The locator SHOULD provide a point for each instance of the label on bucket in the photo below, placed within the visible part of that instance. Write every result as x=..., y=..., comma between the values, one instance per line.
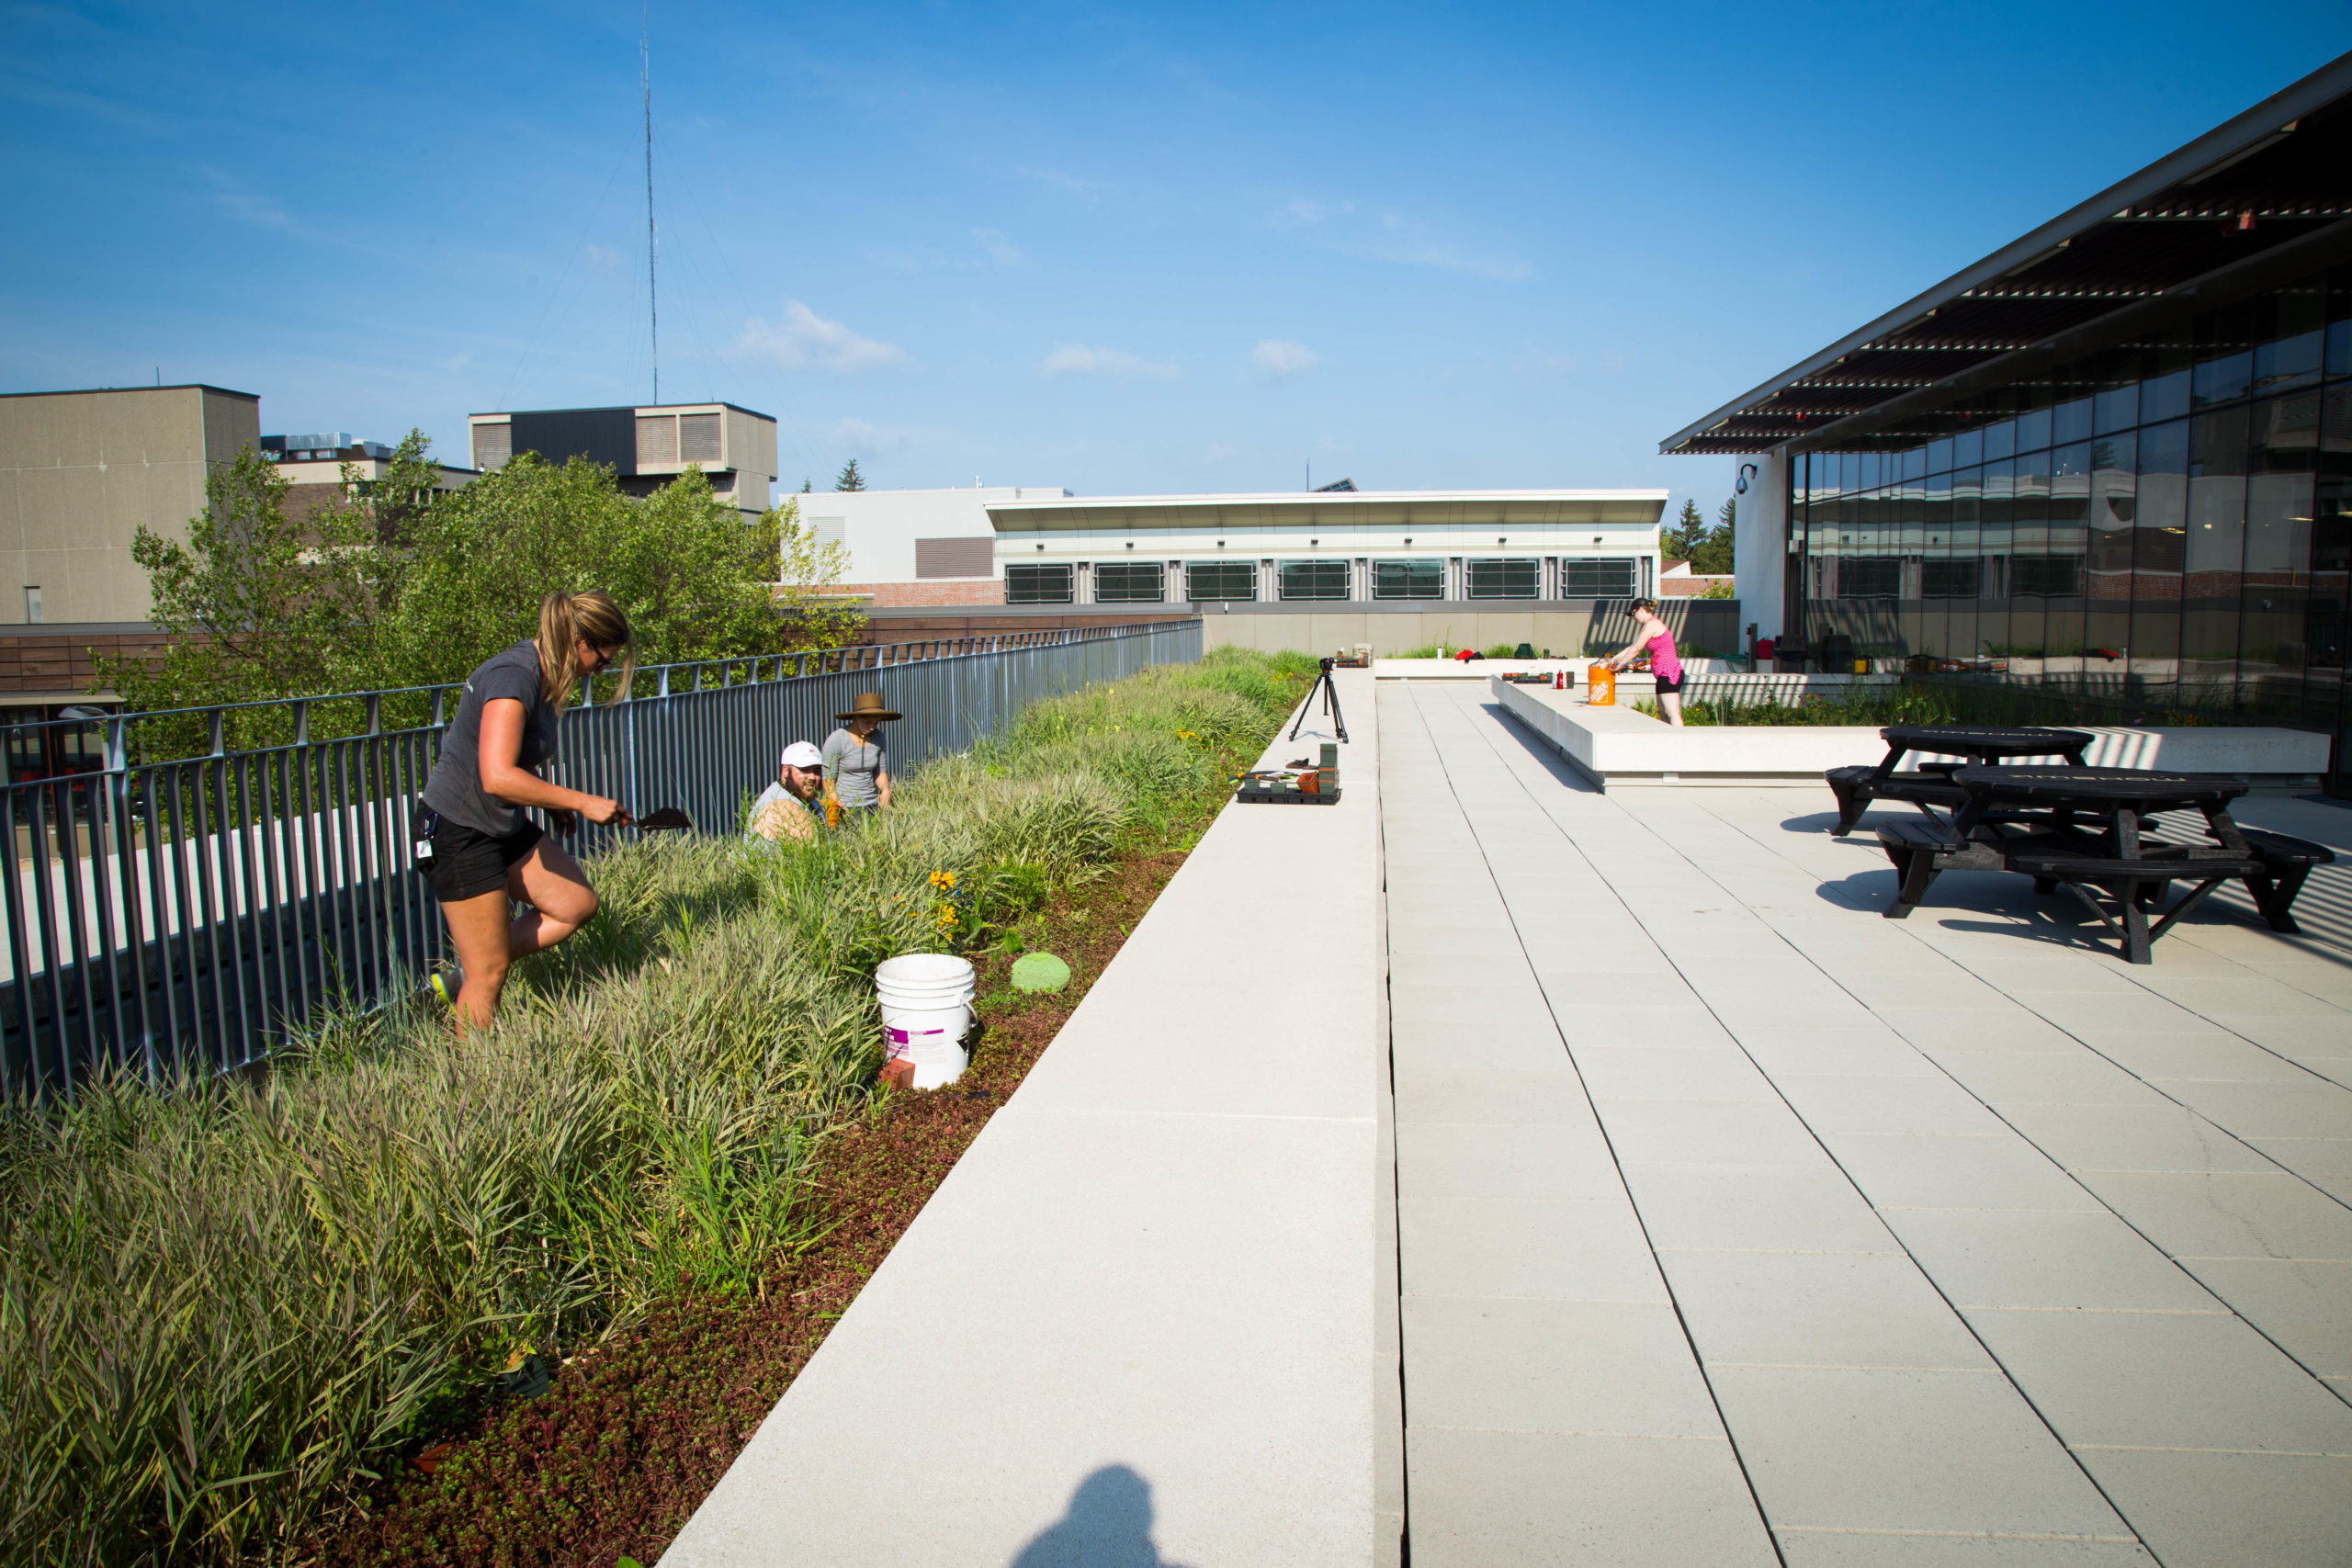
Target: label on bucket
x=897, y=1036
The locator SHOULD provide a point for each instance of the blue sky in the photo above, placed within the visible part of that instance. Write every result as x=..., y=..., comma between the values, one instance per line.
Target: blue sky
x=1170, y=248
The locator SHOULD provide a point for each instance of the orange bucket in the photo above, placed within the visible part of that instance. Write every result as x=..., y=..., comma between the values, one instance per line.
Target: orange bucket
x=1600, y=687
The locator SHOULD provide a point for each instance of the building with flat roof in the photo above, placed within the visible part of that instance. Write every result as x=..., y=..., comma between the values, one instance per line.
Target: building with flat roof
x=80, y=472
x=313, y=465
x=1362, y=546
x=645, y=448
x=2114, y=458
x=1026, y=545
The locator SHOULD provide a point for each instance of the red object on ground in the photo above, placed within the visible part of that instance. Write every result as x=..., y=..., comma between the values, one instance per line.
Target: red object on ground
x=1463, y=656
x=899, y=1072
x=1559, y=680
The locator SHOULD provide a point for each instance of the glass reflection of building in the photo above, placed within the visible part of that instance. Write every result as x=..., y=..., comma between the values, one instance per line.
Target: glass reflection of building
x=2121, y=467
x=2164, y=522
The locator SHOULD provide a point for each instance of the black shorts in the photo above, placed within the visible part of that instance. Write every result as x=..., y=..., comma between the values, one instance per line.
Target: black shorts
x=466, y=863
x=1666, y=688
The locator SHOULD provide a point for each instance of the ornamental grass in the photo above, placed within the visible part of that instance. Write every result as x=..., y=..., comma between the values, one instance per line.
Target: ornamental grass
x=225, y=1301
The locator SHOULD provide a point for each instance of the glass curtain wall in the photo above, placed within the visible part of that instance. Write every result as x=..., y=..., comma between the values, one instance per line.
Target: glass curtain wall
x=2168, y=522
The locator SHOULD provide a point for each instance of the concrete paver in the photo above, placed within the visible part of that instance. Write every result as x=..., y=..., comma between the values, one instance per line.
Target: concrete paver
x=1142, y=1319
x=1987, y=1249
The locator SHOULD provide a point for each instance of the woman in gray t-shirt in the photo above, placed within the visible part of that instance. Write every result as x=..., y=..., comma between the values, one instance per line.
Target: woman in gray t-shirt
x=477, y=851
x=857, y=777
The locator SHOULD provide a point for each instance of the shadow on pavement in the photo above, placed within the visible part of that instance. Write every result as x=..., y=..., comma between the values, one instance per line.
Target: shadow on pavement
x=1537, y=748
x=1108, y=1524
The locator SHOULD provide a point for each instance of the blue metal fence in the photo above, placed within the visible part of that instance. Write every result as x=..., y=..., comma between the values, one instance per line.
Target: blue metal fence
x=177, y=911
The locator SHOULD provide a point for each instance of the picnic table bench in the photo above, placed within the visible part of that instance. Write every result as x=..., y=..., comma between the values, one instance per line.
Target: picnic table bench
x=2081, y=827
x=1930, y=787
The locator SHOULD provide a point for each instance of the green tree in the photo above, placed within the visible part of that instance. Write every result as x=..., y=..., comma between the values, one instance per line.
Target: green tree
x=808, y=570
x=1680, y=541
x=849, y=478
x=1712, y=556
x=804, y=485
x=265, y=603
x=694, y=580
x=405, y=584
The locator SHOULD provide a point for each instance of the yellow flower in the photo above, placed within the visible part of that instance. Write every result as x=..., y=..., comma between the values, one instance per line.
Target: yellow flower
x=943, y=880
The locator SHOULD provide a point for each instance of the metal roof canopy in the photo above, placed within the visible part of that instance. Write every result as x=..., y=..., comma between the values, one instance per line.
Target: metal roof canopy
x=2255, y=202
x=1358, y=508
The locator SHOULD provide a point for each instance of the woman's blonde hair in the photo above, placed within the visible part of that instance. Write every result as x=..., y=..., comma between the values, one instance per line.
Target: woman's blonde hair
x=565, y=621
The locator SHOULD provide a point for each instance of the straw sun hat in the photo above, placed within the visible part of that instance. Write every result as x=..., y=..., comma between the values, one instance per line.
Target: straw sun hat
x=868, y=706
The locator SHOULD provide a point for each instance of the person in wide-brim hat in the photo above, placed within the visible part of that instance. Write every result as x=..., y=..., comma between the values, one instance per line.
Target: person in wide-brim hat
x=868, y=706
x=857, y=775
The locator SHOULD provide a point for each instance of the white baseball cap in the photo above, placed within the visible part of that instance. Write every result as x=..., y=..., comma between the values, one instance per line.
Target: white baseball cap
x=801, y=754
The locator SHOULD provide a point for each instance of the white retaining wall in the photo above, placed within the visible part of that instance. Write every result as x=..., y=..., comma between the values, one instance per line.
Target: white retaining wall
x=1616, y=745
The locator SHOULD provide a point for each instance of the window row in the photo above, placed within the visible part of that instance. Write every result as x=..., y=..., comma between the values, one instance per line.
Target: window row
x=1146, y=583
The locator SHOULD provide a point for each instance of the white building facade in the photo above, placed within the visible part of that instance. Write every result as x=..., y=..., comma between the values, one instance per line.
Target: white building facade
x=1024, y=545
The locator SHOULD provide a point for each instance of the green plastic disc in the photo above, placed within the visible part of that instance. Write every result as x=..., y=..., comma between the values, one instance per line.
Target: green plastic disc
x=1039, y=972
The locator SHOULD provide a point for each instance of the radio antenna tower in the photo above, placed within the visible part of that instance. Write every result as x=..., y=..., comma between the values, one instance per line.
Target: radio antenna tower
x=652, y=295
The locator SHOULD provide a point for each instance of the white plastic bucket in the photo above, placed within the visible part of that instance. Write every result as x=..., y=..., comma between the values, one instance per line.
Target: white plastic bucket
x=937, y=1061
x=926, y=1007
x=923, y=979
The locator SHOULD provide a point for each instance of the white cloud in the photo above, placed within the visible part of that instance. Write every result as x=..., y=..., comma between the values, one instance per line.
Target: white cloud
x=1218, y=452
x=1069, y=182
x=1077, y=359
x=601, y=259
x=1280, y=357
x=803, y=340
x=999, y=249
x=257, y=210
x=1355, y=229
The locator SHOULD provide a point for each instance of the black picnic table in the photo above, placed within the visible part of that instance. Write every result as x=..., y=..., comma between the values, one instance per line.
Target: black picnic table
x=1930, y=787
x=2077, y=828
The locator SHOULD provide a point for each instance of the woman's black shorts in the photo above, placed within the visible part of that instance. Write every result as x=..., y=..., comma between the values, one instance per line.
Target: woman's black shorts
x=1669, y=688
x=466, y=863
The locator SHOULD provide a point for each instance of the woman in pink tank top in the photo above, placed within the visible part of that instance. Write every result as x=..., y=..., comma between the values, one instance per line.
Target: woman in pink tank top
x=1650, y=633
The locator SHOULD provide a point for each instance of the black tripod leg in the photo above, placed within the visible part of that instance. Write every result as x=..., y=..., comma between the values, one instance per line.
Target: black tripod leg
x=1330, y=695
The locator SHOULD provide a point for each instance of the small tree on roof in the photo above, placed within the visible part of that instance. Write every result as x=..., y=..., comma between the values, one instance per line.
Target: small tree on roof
x=849, y=478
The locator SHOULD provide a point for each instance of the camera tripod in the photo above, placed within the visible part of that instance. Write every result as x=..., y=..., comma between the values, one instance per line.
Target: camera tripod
x=1330, y=703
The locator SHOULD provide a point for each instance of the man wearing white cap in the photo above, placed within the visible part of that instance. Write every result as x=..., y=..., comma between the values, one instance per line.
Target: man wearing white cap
x=789, y=808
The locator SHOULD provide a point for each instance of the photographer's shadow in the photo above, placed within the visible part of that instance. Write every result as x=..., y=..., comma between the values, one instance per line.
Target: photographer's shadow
x=1107, y=1525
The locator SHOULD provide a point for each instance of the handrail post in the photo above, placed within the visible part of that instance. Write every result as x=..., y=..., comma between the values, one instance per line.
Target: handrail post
x=374, y=712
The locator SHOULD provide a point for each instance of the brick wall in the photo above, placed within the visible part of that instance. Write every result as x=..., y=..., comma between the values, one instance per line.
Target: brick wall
x=918, y=625
x=61, y=661
x=935, y=591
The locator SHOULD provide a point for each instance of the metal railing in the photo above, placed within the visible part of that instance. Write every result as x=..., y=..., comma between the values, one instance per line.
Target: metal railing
x=178, y=906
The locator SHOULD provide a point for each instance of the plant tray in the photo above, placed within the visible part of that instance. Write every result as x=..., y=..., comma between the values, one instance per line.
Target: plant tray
x=1285, y=797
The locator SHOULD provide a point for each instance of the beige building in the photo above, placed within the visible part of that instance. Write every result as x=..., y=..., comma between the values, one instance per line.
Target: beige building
x=80, y=472
x=647, y=448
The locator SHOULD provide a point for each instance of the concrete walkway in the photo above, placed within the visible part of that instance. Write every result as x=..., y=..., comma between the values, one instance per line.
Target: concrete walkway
x=1739, y=1224
x=1140, y=1321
